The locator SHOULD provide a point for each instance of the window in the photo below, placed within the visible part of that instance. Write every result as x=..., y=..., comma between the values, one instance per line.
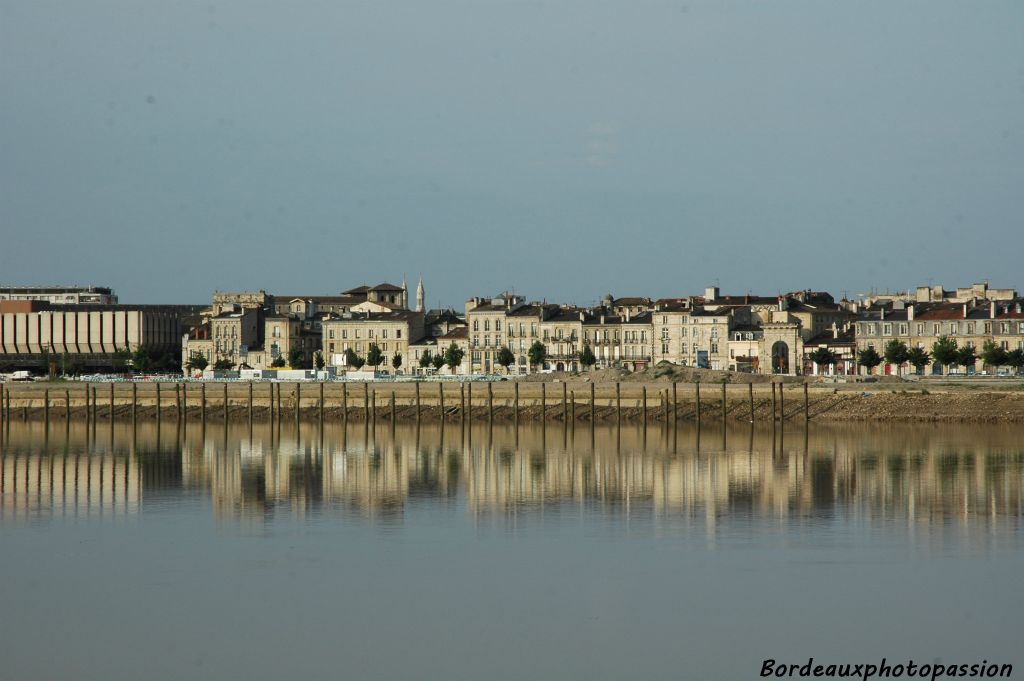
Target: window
x=664, y=348
x=487, y=325
x=476, y=324
x=398, y=333
x=330, y=334
x=1004, y=327
x=384, y=333
x=886, y=329
x=497, y=325
x=970, y=328
x=988, y=327
x=920, y=329
x=344, y=333
x=936, y=330
x=714, y=348
x=903, y=329
x=533, y=330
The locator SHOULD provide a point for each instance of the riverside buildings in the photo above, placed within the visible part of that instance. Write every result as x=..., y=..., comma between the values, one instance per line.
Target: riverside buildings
x=776, y=334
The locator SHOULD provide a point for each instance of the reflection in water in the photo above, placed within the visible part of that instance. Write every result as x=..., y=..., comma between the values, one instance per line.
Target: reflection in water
x=969, y=476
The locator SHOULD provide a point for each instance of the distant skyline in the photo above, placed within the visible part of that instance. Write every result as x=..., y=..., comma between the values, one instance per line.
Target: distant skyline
x=565, y=149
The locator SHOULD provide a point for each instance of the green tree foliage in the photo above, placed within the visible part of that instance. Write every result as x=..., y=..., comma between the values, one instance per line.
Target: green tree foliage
x=1015, y=359
x=869, y=358
x=453, y=357
x=587, y=357
x=297, y=359
x=505, y=358
x=278, y=363
x=944, y=351
x=993, y=355
x=425, y=359
x=918, y=358
x=823, y=357
x=223, y=365
x=318, y=360
x=438, y=360
x=196, y=362
x=396, y=361
x=896, y=353
x=353, y=360
x=374, y=357
x=537, y=353
x=966, y=356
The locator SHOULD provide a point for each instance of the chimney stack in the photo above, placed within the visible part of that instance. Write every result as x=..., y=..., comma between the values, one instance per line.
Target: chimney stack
x=910, y=312
x=994, y=309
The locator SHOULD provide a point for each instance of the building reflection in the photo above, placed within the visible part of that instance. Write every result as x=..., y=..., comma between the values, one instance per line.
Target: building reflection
x=921, y=476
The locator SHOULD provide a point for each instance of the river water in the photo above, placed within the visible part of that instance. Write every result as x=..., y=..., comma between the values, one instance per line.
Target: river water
x=422, y=553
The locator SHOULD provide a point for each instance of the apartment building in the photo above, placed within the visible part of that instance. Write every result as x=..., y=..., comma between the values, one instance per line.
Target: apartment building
x=61, y=295
x=393, y=332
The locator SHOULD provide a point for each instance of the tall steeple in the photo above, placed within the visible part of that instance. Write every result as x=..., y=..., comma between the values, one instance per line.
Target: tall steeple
x=420, y=297
x=405, y=294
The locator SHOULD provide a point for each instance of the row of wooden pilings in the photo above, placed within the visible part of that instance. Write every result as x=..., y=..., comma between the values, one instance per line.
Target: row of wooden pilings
x=370, y=402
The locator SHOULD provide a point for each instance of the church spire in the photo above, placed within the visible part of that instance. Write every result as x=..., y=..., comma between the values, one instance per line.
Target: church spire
x=420, y=297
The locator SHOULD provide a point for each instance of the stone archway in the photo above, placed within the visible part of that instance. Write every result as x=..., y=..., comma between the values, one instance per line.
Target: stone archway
x=780, y=357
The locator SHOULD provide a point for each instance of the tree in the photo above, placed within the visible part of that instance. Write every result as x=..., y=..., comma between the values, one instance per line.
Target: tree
x=223, y=364
x=196, y=362
x=438, y=361
x=896, y=353
x=944, y=351
x=1015, y=359
x=278, y=362
x=396, y=361
x=453, y=357
x=966, y=356
x=869, y=358
x=505, y=358
x=918, y=358
x=353, y=360
x=374, y=357
x=425, y=359
x=823, y=357
x=536, y=353
x=587, y=358
x=318, y=360
x=993, y=355
x=142, y=359
x=297, y=359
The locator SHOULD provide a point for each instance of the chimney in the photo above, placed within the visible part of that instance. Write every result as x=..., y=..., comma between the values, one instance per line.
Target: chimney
x=883, y=313
x=835, y=331
x=602, y=319
x=581, y=316
x=910, y=312
x=627, y=314
x=994, y=310
x=965, y=310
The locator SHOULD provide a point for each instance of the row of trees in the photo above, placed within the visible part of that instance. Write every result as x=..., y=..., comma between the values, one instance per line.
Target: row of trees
x=944, y=352
x=537, y=353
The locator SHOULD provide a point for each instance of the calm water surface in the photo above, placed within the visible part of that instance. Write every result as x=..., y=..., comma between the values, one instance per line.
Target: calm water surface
x=542, y=554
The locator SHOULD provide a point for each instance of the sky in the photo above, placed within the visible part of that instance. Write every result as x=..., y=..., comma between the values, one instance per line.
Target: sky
x=563, y=150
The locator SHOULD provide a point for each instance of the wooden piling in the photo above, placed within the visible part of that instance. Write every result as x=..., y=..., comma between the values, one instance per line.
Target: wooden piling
x=565, y=390
x=515, y=402
x=807, y=405
x=750, y=394
x=490, y=401
x=225, y=402
x=280, y=412
x=202, y=408
x=675, y=402
x=250, y=403
x=135, y=402
x=373, y=406
x=544, y=403
x=724, y=408
x=782, y=402
x=469, y=401
x=773, y=402
x=572, y=401
x=393, y=406
x=298, y=401
x=67, y=406
x=462, y=401
x=321, y=404
x=698, y=402
x=417, y=402
x=158, y=400
x=593, y=408
x=618, y=403
x=440, y=399
x=643, y=398
x=344, y=403
x=46, y=407
x=366, y=400
x=111, y=402
x=177, y=402
x=95, y=409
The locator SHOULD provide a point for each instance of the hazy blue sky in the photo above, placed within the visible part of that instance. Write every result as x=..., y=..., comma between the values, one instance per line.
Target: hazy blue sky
x=565, y=149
